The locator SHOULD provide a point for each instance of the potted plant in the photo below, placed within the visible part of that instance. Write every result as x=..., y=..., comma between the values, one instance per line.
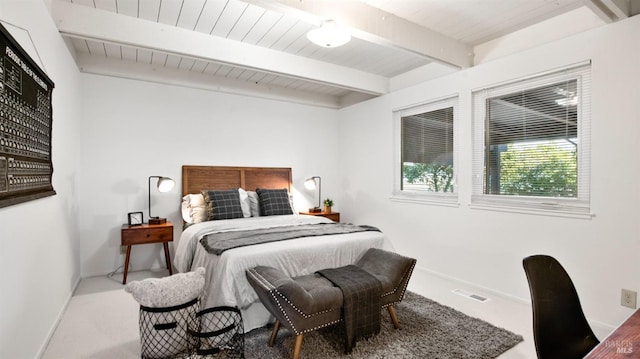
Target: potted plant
x=328, y=203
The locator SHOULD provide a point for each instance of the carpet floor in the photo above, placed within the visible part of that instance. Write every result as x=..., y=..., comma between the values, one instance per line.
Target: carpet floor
x=101, y=322
x=428, y=330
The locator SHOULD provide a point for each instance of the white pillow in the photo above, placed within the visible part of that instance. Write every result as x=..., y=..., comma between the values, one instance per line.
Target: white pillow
x=185, y=210
x=168, y=291
x=293, y=208
x=254, y=203
x=244, y=202
x=196, y=208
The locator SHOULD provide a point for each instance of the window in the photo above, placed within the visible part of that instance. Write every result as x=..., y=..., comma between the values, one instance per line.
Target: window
x=424, y=169
x=532, y=144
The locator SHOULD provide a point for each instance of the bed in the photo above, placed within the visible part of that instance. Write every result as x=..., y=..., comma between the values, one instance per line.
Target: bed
x=226, y=283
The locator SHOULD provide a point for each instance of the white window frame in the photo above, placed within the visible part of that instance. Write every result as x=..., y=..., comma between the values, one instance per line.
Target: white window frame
x=578, y=207
x=424, y=197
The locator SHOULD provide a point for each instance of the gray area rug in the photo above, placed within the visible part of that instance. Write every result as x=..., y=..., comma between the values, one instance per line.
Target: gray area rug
x=428, y=330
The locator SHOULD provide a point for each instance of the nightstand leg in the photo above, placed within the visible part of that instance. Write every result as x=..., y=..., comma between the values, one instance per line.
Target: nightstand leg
x=126, y=265
x=167, y=257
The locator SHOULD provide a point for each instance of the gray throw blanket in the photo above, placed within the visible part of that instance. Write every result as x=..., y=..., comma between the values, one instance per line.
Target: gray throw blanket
x=217, y=243
x=361, y=306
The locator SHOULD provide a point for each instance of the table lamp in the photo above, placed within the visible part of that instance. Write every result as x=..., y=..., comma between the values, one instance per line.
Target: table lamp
x=165, y=184
x=312, y=183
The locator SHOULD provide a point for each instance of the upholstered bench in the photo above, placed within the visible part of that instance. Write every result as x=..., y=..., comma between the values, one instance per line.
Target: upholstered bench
x=306, y=303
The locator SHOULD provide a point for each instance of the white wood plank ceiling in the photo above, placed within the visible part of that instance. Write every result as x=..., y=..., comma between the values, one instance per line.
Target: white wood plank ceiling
x=259, y=47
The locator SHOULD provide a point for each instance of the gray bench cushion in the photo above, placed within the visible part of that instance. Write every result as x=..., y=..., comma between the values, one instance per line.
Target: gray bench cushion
x=302, y=304
x=392, y=270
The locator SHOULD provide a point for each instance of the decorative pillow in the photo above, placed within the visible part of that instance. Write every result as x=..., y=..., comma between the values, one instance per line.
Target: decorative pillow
x=198, y=208
x=194, y=208
x=254, y=203
x=244, y=202
x=168, y=291
x=223, y=204
x=184, y=209
x=293, y=208
x=274, y=202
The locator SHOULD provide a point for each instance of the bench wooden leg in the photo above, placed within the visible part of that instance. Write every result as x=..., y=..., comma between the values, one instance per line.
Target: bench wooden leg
x=394, y=319
x=274, y=333
x=298, y=347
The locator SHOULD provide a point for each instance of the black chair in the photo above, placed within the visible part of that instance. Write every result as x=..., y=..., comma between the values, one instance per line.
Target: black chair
x=560, y=328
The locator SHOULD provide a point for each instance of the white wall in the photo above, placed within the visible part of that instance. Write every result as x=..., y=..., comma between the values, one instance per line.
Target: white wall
x=39, y=259
x=132, y=130
x=485, y=247
x=110, y=134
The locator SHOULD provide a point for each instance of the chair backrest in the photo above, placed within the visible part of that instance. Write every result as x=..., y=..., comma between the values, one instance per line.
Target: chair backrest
x=560, y=328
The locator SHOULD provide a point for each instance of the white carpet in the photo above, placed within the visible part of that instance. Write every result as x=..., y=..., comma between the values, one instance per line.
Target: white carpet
x=107, y=322
x=100, y=322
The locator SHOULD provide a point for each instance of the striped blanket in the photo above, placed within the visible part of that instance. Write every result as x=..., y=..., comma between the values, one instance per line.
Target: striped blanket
x=217, y=243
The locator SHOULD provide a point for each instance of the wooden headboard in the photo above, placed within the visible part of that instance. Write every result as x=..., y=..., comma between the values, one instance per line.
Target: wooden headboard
x=197, y=178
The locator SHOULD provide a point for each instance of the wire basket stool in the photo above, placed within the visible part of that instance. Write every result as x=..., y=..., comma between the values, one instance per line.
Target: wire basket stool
x=219, y=333
x=164, y=331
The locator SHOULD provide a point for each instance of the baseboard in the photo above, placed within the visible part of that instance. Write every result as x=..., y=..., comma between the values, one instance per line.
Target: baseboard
x=598, y=327
x=44, y=345
x=474, y=286
x=120, y=269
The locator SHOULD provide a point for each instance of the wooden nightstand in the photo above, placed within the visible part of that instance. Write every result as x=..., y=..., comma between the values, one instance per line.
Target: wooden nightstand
x=143, y=234
x=334, y=216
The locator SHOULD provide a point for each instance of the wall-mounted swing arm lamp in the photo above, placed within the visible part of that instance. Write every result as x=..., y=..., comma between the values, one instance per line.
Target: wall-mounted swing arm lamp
x=165, y=184
x=312, y=183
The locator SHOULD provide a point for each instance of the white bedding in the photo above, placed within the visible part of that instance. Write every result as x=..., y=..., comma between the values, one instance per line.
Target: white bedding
x=226, y=283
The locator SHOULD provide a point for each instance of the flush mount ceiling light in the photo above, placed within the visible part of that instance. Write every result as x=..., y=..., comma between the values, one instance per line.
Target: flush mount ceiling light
x=329, y=34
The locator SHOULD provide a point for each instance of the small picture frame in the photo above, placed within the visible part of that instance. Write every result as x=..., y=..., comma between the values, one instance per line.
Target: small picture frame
x=135, y=218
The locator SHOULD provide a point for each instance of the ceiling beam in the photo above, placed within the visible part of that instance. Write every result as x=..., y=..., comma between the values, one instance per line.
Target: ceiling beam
x=93, y=24
x=160, y=74
x=610, y=10
x=374, y=25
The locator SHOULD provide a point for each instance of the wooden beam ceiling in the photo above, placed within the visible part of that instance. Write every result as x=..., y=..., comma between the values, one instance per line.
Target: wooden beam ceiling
x=97, y=25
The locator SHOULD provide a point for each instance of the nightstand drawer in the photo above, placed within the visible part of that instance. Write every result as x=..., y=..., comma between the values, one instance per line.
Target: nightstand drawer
x=334, y=216
x=146, y=234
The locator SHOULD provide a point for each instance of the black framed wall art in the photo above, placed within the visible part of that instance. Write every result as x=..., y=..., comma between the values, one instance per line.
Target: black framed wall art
x=25, y=126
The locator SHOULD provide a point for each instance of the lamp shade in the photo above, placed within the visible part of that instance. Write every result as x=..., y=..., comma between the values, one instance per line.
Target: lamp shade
x=165, y=184
x=329, y=34
x=310, y=183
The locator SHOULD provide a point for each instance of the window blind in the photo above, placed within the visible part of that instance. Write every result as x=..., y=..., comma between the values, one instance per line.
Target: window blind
x=531, y=142
x=427, y=137
x=425, y=152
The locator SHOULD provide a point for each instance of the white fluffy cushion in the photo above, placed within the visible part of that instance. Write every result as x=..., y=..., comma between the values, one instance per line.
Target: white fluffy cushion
x=194, y=208
x=185, y=210
x=168, y=291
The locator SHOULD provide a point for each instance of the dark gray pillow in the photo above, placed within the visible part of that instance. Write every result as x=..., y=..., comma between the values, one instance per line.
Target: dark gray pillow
x=274, y=202
x=223, y=204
